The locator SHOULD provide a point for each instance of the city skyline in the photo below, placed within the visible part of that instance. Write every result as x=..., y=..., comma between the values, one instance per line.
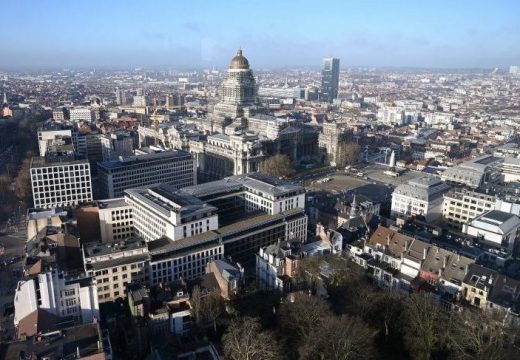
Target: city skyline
x=274, y=35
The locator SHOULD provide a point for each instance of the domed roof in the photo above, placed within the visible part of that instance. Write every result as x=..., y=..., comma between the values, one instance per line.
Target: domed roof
x=239, y=61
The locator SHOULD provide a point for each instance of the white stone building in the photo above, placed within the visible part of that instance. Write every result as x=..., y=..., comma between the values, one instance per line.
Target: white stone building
x=495, y=227
x=421, y=196
x=59, y=295
x=115, y=220
x=162, y=210
x=510, y=169
x=82, y=114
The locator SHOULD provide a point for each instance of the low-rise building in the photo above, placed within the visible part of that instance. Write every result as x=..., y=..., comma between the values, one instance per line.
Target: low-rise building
x=510, y=169
x=471, y=173
x=488, y=289
x=494, y=227
x=57, y=294
x=85, y=341
x=114, y=265
x=229, y=277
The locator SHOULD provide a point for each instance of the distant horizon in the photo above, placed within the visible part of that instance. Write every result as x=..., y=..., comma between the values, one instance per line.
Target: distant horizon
x=274, y=34
x=224, y=68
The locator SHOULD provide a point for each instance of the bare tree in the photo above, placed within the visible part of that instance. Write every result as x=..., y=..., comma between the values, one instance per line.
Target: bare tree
x=428, y=326
x=481, y=335
x=278, y=166
x=196, y=304
x=347, y=153
x=340, y=338
x=300, y=315
x=212, y=307
x=386, y=306
x=244, y=340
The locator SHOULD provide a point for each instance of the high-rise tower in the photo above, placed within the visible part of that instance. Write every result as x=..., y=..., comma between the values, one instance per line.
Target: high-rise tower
x=329, y=79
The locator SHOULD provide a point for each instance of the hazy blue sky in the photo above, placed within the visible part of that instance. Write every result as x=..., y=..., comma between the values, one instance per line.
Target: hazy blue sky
x=272, y=33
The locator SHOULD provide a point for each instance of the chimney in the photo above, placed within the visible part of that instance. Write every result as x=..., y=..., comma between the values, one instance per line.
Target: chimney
x=424, y=253
x=387, y=239
x=444, y=261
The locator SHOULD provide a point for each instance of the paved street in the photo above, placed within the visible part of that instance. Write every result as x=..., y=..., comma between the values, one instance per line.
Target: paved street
x=9, y=276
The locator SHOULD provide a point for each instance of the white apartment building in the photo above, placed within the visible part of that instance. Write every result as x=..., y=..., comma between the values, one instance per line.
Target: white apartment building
x=436, y=118
x=421, y=196
x=81, y=114
x=391, y=115
x=139, y=101
x=174, y=167
x=115, y=220
x=114, y=265
x=56, y=184
x=462, y=205
x=510, y=169
x=161, y=210
x=495, y=227
x=59, y=295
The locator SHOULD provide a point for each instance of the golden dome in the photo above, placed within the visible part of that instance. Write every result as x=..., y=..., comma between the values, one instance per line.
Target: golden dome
x=239, y=61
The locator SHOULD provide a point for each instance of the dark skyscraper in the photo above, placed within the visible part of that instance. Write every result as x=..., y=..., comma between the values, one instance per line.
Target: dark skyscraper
x=329, y=79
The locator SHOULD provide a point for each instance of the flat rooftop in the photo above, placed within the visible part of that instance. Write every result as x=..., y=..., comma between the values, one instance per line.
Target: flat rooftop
x=496, y=216
x=112, y=203
x=145, y=158
x=64, y=344
x=255, y=181
x=166, y=199
x=165, y=246
x=131, y=243
x=38, y=162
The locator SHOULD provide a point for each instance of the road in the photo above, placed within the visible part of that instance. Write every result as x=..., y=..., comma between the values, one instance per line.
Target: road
x=14, y=244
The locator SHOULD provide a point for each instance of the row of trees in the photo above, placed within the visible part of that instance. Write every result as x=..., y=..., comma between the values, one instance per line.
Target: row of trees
x=15, y=181
x=280, y=165
x=393, y=327
x=359, y=321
